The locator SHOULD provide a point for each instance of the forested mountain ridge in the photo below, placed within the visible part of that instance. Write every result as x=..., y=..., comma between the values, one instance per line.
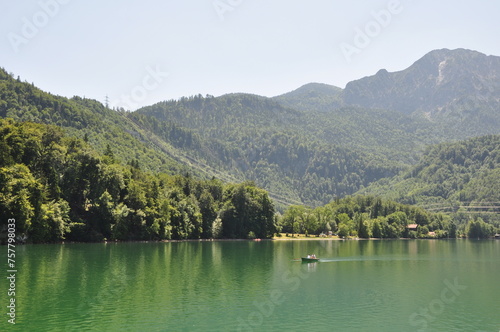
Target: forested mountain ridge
x=84, y=118
x=279, y=148
x=236, y=128
x=58, y=188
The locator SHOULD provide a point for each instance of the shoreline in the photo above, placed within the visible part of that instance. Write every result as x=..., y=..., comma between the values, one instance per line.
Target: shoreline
x=301, y=237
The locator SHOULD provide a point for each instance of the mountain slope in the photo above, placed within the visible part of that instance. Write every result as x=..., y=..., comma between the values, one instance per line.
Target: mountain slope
x=234, y=138
x=327, y=141
x=388, y=134
x=84, y=118
x=465, y=171
x=256, y=138
x=131, y=139
x=458, y=90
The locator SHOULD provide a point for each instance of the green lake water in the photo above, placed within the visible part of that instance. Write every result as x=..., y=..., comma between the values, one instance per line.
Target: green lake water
x=400, y=285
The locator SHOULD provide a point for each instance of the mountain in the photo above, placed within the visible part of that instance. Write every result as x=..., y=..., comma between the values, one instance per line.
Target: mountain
x=457, y=89
x=307, y=146
x=292, y=144
x=234, y=138
x=386, y=133
x=445, y=95
x=439, y=79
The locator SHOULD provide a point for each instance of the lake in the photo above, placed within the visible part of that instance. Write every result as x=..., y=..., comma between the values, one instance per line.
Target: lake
x=393, y=285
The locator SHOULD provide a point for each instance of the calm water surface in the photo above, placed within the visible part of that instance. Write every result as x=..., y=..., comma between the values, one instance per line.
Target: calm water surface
x=401, y=285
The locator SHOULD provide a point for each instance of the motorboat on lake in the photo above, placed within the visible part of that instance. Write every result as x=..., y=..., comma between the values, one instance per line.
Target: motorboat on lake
x=310, y=259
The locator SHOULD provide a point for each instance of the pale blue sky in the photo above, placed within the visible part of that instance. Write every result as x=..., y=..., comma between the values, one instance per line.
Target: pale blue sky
x=142, y=52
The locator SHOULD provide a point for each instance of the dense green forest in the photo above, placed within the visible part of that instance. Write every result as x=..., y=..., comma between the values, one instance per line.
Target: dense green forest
x=263, y=141
x=312, y=96
x=373, y=217
x=57, y=187
x=449, y=174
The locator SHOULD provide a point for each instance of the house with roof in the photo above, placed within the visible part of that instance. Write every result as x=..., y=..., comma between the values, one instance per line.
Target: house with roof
x=412, y=227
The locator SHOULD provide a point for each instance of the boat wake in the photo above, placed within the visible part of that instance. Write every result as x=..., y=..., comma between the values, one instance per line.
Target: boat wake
x=364, y=259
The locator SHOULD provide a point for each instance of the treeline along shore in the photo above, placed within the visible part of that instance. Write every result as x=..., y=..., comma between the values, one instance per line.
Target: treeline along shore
x=58, y=188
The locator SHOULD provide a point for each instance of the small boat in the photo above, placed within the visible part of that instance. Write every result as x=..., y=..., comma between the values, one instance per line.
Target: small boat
x=310, y=259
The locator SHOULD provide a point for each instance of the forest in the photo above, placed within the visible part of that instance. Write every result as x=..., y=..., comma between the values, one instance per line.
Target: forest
x=279, y=148
x=58, y=188
x=449, y=175
x=374, y=217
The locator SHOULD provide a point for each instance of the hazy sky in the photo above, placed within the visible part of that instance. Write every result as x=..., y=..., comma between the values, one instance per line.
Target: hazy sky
x=142, y=52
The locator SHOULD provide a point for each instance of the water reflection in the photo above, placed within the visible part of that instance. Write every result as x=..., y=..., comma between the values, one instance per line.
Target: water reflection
x=311, y=267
